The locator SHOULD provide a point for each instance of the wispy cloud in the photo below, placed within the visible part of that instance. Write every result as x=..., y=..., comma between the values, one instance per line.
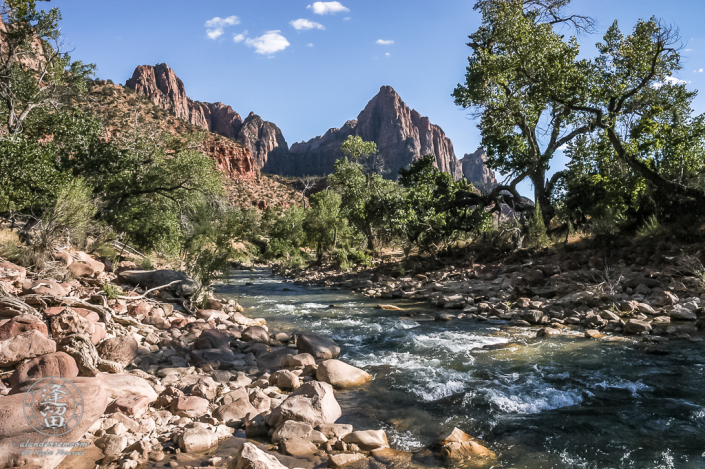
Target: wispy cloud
x=268, y=43
x=385, y=42
x=215, y=26
x=387, y=54
x=240, y=37
x=324, y=8
x=302, y=24
x=698, y=71
x=310, y=44
x=670, y=81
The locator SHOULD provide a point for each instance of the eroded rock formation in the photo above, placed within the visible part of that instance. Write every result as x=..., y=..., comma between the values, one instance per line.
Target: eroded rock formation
x=476, y=171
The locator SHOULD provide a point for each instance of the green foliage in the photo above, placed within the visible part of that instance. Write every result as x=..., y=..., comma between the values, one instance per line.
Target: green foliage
x=355, y=148
x=651, y=229
x=146, y=263
x=285, y=228
x=536, y=235
x=426, y=214
x=69, y=218
x=323, y=223
x=111, y=291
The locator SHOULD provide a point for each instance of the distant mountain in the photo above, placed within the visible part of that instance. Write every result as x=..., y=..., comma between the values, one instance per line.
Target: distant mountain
x=402, y=135
x=476, y=171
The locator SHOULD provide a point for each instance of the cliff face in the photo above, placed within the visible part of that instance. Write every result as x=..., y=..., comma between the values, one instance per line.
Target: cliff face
x=234, y=160
x=160, y=85
x=402, y=136
x=476, y=171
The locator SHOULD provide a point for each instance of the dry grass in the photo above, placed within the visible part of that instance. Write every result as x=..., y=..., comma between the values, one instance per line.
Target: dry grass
x=10, y=245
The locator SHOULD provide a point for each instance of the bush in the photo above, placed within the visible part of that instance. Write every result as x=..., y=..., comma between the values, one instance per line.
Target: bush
x=146, y=263
x=536, y=235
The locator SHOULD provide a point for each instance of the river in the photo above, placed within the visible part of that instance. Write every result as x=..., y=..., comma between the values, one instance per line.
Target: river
x=560, y=402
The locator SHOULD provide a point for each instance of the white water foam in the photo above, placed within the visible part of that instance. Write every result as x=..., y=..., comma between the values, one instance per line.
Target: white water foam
x=315, y=305
x=530, y=398
x=632, y=386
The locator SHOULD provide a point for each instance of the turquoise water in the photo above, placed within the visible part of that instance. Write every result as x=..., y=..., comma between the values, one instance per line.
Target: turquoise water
x=564, y=402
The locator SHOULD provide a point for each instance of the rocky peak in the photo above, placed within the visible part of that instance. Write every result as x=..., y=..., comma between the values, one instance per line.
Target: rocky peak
x=262, y=138
x=402, y=136
x=160, y=85
x=476, y=171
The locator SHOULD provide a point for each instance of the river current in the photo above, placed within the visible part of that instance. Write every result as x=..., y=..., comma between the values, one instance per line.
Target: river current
x=560, y=402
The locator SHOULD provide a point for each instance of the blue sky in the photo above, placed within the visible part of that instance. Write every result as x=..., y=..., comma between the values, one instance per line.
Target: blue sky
x=308, y=66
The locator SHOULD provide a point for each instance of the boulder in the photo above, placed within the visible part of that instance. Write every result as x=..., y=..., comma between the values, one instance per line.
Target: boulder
x=593, y=334
x=260, y=400
x=457, y=445
x=341, y=375
x=335, y=430
x=367, y=440
x=70, y=323
x=123, y=384
x=189, y=406
x=302, y=359
x=20, y=324
x=121, y=349
x=196, y=440
x=316, y=345
x=112, y=445
x=338, y=460
x=134, y=405
x=665, y=298
x=185, y=288
x=211, y=338
x=80, y=269
x=285, y=379
x=43, y=287
x=255, y=333
x=635, y=326
x=237, y=410
x=13, y=272
x=534, y=277
x=206, y=388
x=313, y=403
x=251, y=457
x=14, y=428
x=53, y=364
x=220, y=356
x=29, y=344
x=682, y=313
x=548, y=332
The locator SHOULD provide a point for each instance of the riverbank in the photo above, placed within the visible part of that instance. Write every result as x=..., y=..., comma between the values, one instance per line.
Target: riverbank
x=167, y=386
x=626, y=290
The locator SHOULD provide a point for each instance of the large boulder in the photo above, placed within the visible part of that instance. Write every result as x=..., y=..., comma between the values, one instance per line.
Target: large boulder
x=255, y=333
x=29, y=344
x=43, y=287
x=121, y=349
x=251, y=457
x=317, y=345
x=53, y=364
x=313, y=403
x=20, y=324
x=458, y=445
x=682, y=313
x=196, y=440
x=237, y=410
x=15, y=430
x=210, y=339
x=123, y=385
x=341, y=375
x=70, y=323
x=368, y=440
x=185, y=286
x=635, y=326
x=189, y=406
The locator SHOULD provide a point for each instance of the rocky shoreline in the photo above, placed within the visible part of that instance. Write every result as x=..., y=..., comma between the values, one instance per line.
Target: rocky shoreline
x=661, y=301
x=167, y=386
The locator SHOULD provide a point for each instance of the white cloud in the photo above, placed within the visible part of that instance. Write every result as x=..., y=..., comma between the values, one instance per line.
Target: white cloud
x=240, y=37
x=698, y=71
x=323, y=8
x=347, y=18
x=310, y=44
x=215, y=26
x=671, y=81
x=563, y=147
x=268, y=43
x=387, y=54
x=302, y=23
x=385, y=42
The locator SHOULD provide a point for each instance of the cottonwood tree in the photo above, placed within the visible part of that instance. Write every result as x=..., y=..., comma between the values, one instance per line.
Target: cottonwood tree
x=519, y=63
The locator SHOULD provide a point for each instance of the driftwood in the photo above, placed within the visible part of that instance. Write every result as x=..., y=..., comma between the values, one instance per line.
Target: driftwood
x=11, y=306
x=142, y=296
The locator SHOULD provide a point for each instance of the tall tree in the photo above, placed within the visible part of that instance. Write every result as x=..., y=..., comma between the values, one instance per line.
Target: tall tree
x=519, y=63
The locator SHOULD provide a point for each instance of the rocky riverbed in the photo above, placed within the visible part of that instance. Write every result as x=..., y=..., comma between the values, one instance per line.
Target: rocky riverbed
x=163, y=385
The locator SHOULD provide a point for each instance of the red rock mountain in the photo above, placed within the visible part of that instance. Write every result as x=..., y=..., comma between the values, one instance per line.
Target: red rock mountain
x=476, y=171
x=160, y=85
x=402, y=134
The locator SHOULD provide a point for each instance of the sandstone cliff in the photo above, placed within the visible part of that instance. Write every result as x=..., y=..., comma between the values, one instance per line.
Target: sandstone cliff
x=402, y=136
x=476, y=171
x=160, y=85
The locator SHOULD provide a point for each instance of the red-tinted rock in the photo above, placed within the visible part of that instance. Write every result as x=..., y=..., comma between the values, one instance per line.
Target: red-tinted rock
x=53, y=364
x=80, y=269
x=121, y=349
x=11, y=271
x=20, y=324
x=134, y=406
x=43, y=287
x=29, y=344
x=69, y=323
x=189, y=406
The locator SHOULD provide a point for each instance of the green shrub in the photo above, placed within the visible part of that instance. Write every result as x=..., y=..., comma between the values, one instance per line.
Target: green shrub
x=111, y=291
x=536, y=235
x=146, y=263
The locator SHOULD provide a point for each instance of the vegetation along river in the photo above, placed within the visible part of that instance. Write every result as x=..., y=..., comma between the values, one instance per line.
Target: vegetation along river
x=559, y=402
